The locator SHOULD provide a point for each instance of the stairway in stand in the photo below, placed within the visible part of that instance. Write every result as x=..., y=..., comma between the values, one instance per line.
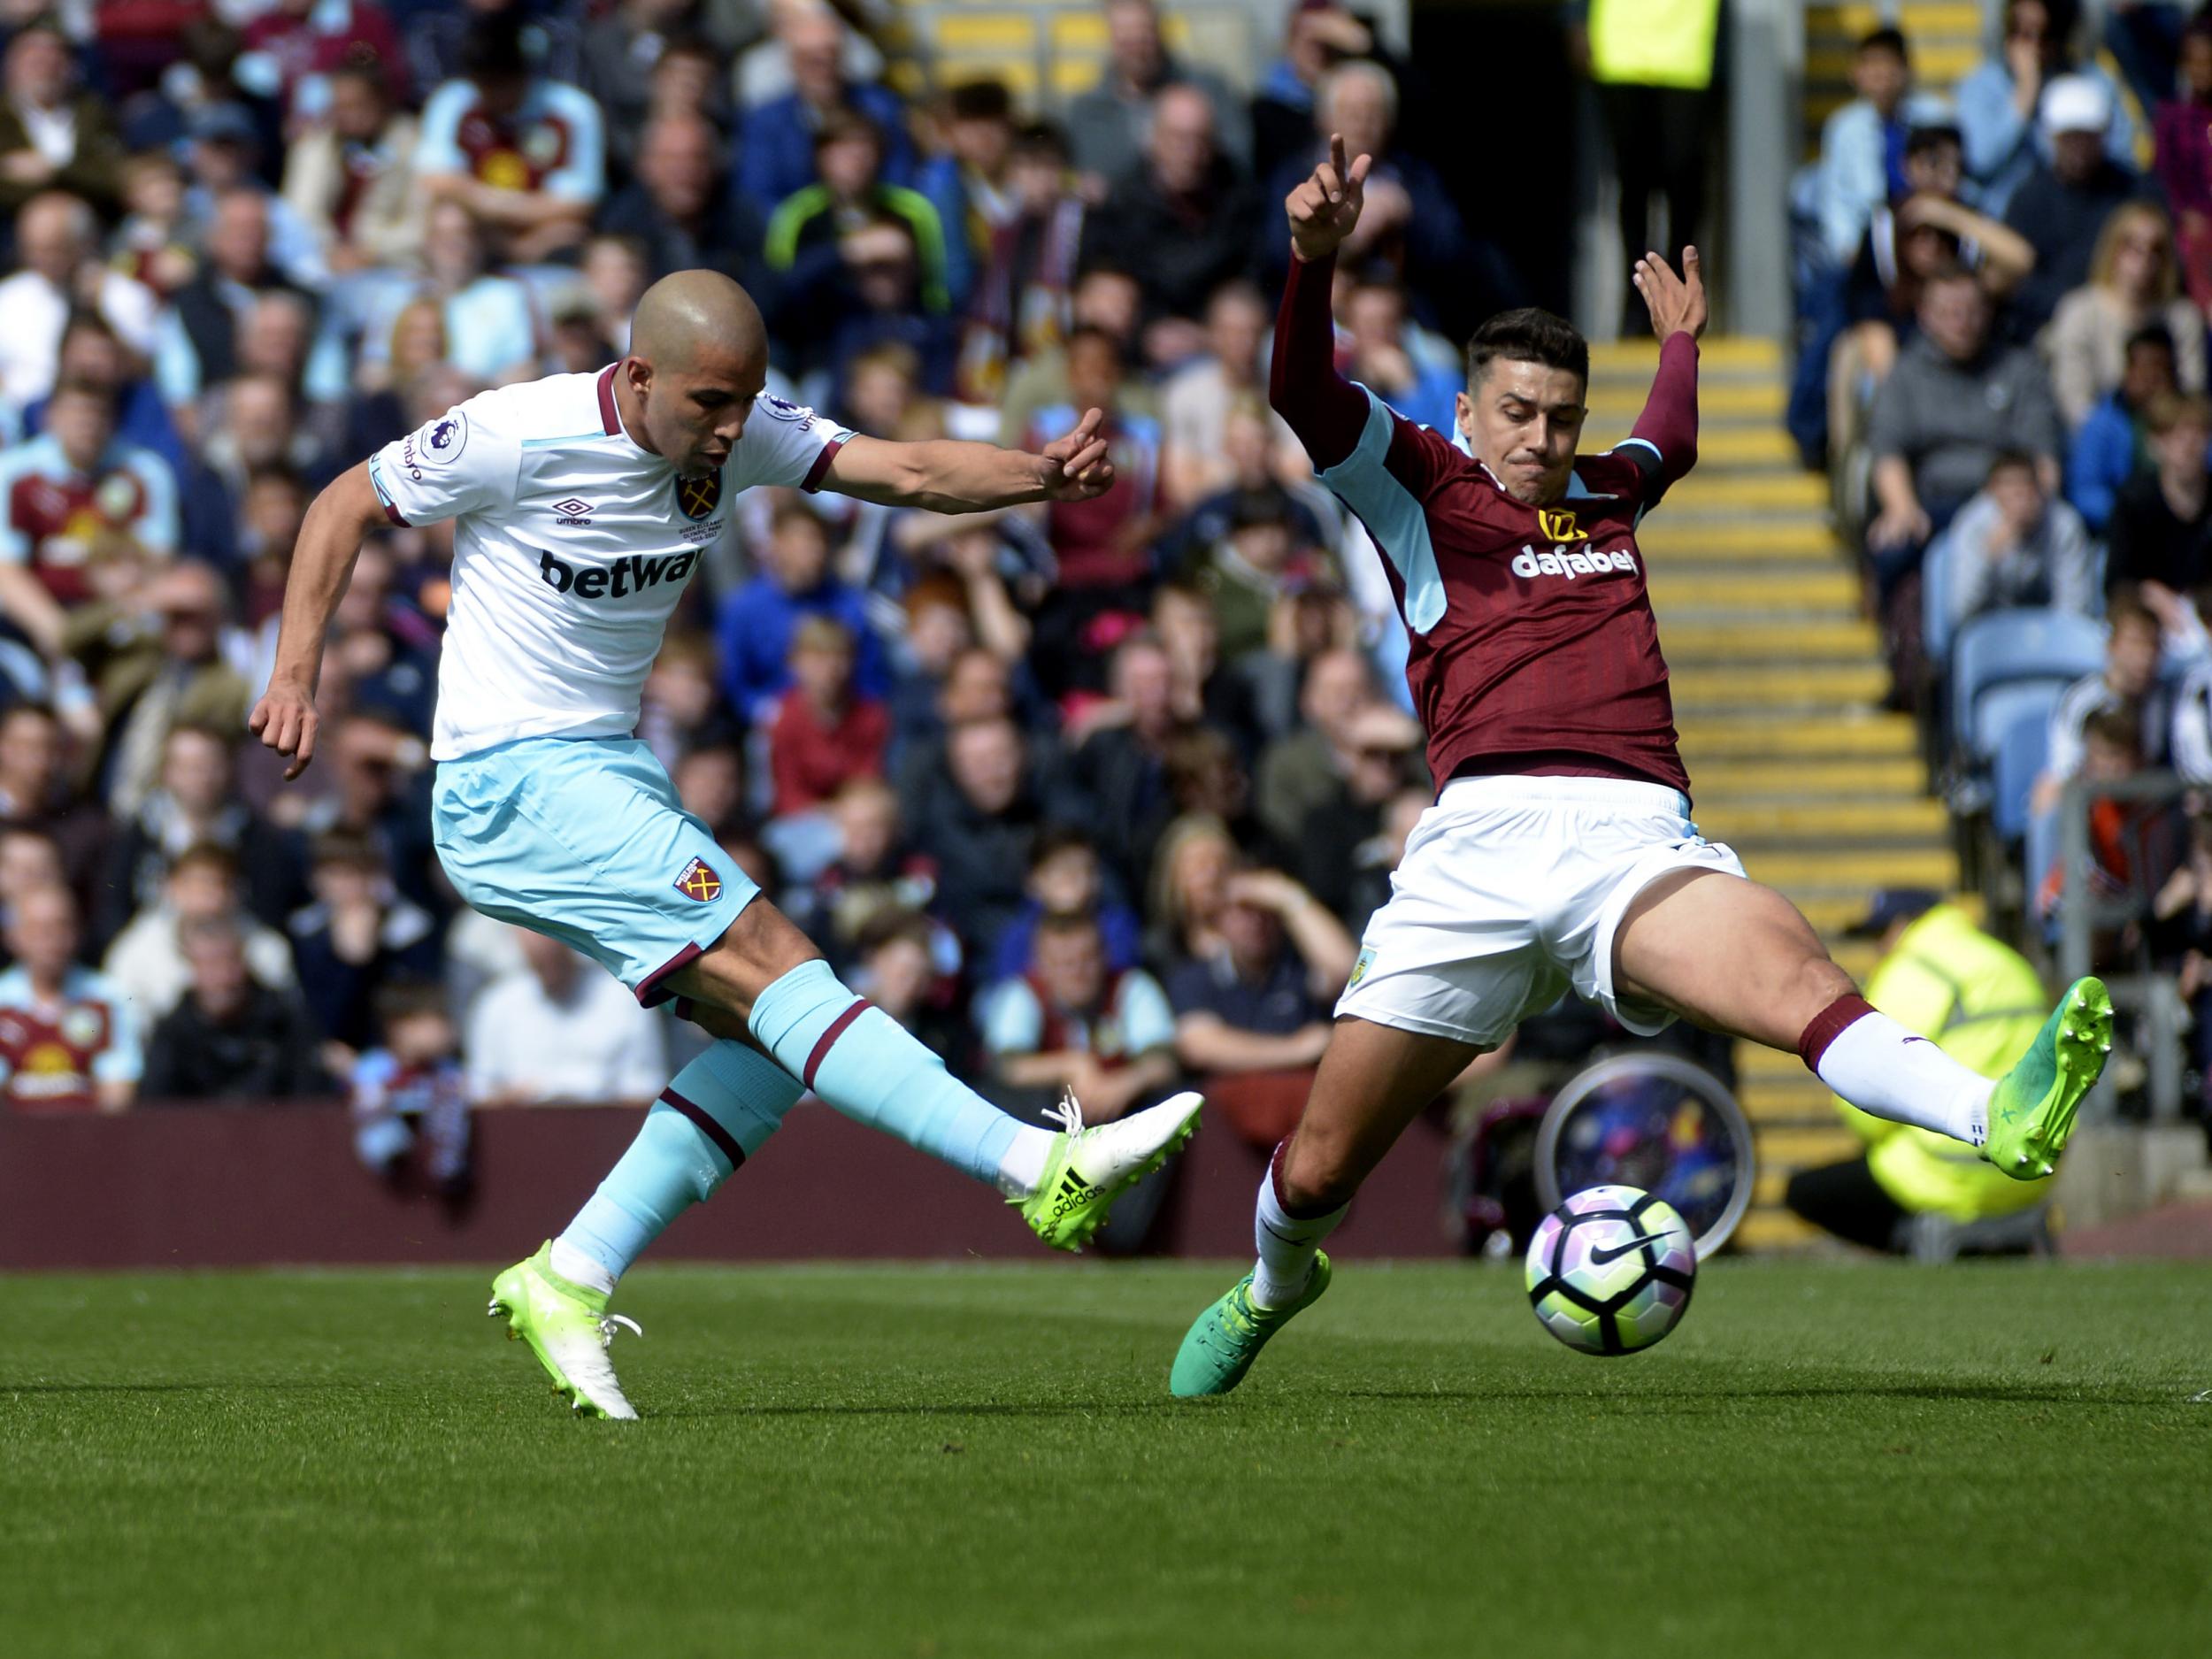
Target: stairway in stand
x=1778, y=680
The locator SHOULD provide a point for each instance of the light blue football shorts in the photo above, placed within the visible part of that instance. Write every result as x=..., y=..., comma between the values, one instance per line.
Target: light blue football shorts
x=584, y=838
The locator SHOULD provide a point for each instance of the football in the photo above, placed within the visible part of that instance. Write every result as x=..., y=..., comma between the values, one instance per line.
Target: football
x=1610, y=1271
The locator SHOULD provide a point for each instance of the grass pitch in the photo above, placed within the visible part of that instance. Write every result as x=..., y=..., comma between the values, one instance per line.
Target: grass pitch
x=883, y=1462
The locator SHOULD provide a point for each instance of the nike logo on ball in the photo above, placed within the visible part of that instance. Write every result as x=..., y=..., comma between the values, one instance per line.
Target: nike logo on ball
x=1600, y=1257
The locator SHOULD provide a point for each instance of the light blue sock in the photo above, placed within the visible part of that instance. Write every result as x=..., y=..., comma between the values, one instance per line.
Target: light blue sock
x=859, y=1060
x=712, y=1117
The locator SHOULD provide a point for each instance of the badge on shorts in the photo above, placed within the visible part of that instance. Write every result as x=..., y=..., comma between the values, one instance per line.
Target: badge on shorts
x=1359, y=968
x=699, y=881
x=699, y=496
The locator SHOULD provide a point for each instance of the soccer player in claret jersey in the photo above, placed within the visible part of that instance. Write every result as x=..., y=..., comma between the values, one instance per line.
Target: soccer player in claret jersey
x=1560, y=850
x=582, y=503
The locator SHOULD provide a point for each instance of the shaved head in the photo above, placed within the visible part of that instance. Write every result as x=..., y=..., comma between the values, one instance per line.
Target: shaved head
x=689, y=317
x=698, y=359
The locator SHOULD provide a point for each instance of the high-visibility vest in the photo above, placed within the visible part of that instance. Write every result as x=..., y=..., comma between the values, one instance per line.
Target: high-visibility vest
x=1978, y=1000
x=1654, y=43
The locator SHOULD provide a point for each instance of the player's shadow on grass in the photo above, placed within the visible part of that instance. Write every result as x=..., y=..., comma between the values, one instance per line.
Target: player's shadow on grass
x=939, y=1408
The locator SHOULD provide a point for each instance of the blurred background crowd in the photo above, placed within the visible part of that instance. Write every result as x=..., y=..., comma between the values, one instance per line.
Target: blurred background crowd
x=1093, y=796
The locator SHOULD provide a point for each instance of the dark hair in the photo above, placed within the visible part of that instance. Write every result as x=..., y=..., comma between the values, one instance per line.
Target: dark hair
x=1092, y=331
x=2150, y=336
x=349, y=848
x=839, y=125
x=985, y=100
x=214, y=855
x=895, y=922
x=1056, y=839
x=1931, y=136
x=1888, y=39
x=1528, y=335
x=1041, y=138
x=493, y=48
x=77, y=386
x=31, y=706
x=2120, y=725
x=369, y=73
x=2126, y=606
x=406, y=999
x=2010, y=461
x=1083, y=919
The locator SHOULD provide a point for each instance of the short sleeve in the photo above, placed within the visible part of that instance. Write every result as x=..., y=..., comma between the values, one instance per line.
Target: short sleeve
x=15, y=546
x=157, y=527
x=785, y=445
x=122, y=1061
x=582, y=174
x=1012, y=1022
x=1146, y=1021
x=437, y=146
x=453, y=464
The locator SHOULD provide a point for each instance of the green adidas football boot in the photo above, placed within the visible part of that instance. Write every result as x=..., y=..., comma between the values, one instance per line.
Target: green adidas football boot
x=1092, y=1166
x=569, y=1329
x=1221, y=1345
x=2031, y=1111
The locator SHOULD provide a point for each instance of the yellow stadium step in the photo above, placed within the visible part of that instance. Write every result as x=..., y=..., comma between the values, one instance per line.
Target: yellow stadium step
x=1745, y=824
x=1777, y=1229
x=1716, y=353
x=1798, y=1098
x=1679, y=539
x=1614, y=405
x=1807, y=1148
x=1813, y=639
x=1883, y=736
x=1935, y=62
x=1825, y=589
x=1723, y=782
x=1811, y=684
x=1855, y=870
x=1740, y=493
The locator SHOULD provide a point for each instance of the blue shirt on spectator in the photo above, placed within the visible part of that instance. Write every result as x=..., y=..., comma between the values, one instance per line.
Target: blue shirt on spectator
x=1278, y=1003
x=754, y=630
x=2104, y=456
x=775, y=146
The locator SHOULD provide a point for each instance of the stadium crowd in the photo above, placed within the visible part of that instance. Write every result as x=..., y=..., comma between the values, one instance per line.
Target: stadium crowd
x=2003, y=300
x=1093, y=796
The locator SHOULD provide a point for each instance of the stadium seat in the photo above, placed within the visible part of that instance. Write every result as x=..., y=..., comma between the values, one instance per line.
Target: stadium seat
x=2020, y=716
x=1938, y=583
x=2005, y=646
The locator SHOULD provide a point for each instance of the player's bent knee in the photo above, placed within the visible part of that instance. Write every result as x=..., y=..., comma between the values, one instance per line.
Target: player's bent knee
x=1319, y=1172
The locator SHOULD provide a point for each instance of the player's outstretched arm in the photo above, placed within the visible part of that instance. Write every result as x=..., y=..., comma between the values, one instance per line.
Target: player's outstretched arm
x=1327, y=411
x=322, y=565
x=948, y=476
x=1669, y=423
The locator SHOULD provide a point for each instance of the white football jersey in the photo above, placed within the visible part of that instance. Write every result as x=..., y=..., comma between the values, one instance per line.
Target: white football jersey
x=571, y=547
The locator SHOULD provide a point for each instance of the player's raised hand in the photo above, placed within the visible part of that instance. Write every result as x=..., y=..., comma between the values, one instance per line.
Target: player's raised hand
x=1324, y=208
x=1677, y=303
x=284, y=720
x=1076, y=467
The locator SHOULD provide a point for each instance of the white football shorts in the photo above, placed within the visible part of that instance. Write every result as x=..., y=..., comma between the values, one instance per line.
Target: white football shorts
x=1510, y=891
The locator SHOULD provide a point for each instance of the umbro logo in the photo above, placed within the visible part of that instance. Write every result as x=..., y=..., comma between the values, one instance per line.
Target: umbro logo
x=572, y=511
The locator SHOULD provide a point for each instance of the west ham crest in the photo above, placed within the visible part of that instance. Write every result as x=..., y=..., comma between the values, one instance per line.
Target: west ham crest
x=699, y=881
x=699, y=495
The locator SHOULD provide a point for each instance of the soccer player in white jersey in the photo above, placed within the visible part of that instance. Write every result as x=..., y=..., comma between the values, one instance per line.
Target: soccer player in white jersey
x=582, y=503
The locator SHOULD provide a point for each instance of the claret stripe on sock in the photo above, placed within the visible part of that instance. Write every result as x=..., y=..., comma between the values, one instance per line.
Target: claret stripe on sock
x=703, y=1122
x=1827, y=1025
x=861, y=1005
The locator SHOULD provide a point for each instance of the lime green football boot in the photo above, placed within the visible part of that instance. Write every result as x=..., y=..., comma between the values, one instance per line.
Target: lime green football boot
x=2031, y=1111
x=1092, y=1166
x=1221, y=1345
x=569, y=1329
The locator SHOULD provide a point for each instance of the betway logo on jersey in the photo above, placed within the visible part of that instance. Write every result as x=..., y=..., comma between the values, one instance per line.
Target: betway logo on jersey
x=1528, y=563
x=619, y=580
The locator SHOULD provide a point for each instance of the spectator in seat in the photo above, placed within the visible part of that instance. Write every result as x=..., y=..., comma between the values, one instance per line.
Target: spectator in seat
x=2129, y=683
x=92, y=355
x=2014, y=545
x=2131, y=844
x=1862, y=144
x=876, y=870
x=1121, y=766
x=562, y=1032
x=1024, y=288
x=1418, y=387
x=1999, y=101
x=980, y=831
x=521, y=152
x=2133, y=283
x=203, y=346
x=310, y=42
x=1108, y=125
x=824, y=735
x=758, y=621
x=1954, y=401
x=29, y=863
x=63, y=492
x=489, y=327
x=411, y=1091
x=2160, y=540
x=1105, y=297
x=682, y=706
x=1252, y=1000
x=68, y=1040
x=196, y=802
x=1319, y=34
x=154, y=244
x=1326, y=856
x=2184, y=163
x=1070, y=1023
x=1306, y=769
x=776, y=145
x=1184, y=223
x=349, y=177
x=889, y=309
x=380, y=771
x=1196, y=400
x=57, y=246
x=147, y=962
x=54, y=135
x=357, y=936
x=230, y=1037
x=34, y=796
x=1067, y=876
x=622, y=53
x=2113, y=444
x=900, y=973
x=1266, y=549
x=2062, y=207
x=679, y=206
x=154, y=658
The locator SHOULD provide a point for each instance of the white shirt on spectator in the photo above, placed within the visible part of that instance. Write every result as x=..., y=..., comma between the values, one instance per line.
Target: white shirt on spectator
x=2052, y=566
x=2090, y=696
x=36, y=311
x=571, y=549
x=592, y=1046
x=147, y=963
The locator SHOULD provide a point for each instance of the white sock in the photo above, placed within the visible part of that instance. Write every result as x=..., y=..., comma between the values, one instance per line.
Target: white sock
x=1287, y=1243
x=1023, y=1165
x=578, y=1269
x=1881, y=1068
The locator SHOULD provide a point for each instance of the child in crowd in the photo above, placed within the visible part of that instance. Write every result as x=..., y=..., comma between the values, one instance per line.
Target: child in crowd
x=410, y=1091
